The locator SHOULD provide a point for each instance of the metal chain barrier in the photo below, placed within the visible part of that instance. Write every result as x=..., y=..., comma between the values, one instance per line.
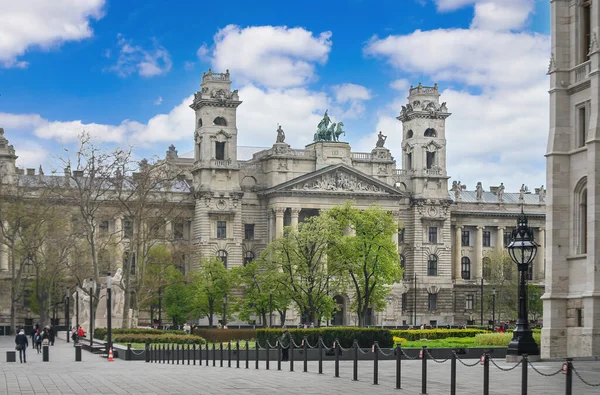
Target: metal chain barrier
x=545, y=374
x=470, y=365
x=408, y=356
x=258, y=347
x=501, y=368
x=384, y=353
x=583, y=380
x=270, y=345
x=343, y=349
x=137, y=353
x=309, y=346
x=324, y=346
x=294, y=343
x=436, y=360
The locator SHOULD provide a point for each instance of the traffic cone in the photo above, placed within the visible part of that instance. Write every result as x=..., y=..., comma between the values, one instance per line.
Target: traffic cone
x=110, y=355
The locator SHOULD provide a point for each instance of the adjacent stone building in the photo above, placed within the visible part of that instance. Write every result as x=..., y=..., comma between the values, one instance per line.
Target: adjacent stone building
x=572, y=297
x=243, y=199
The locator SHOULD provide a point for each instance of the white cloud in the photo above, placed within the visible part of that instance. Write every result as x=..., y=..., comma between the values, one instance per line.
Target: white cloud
x=188, y=66
x=202, y=52
x=493, y=14
x=158, y=101
x=353, y=95
x=401, y=85
x=271, y=56
x=135, y=59
x=39, y=23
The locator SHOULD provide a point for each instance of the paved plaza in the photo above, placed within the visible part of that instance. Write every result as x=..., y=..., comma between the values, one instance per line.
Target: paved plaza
x=97, y=376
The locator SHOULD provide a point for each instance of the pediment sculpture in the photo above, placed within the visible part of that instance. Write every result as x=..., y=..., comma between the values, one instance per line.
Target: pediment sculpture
x=338, y=181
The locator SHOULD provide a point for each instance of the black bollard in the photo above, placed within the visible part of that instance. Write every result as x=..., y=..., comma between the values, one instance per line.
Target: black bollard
x=305, y=344
x=194, y=354
x=128, y=352
x=524, y=375
x=214, y=352
x=78, y=353
x=45, y=353
x=207, y=355
x=320, y=355
x=424, y=371
x=355, y=367
x=453, y=374
x=163, y=354
x=256, y=355
x=229, y=354
x=398, y=366
x=247, y=354
x=291, y=347
x=188, y=353
x=177, y=354
x=336, y=346
x=221, y=353
x=268, y=348
x=237, y=358
x=375, y=363
x=279, y=355
x=147, y=352
x=569, y=381
x=486, y=374
x=172, y=354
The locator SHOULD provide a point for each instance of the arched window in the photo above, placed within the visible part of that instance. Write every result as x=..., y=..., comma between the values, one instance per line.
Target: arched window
x=403, y=266
x=409, y=134
x=220, y=121
x=465, y=268
x=199, y=122
x=487, y=267
x=222, y=254
x=430, y=132
x=248, y=257
x=582, y=218
x=432, y=264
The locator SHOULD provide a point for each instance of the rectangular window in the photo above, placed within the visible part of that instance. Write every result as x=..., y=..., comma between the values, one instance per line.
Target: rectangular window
x=469, y=302
x=221, y=229
x=178, y=230
x=404, y=302
x=219, y=150
x=432, y=302
x=401, y=236
x=103, y=228
x=507, y=238
x=582, y=122
x=465, y=238
x=127, y=228
x=487, y=238
x=586, y=30
x=249, y=231
x=408, y=161
x=433, y=235
x=579, y=317
x=430, y=159
x=433, y=323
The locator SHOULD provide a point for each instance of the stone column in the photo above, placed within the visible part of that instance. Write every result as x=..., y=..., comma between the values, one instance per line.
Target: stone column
x=270, y=229
x=500, y=238
x=395, y=234
x=279, y=221
x=169, y=230
x=538, y=269
x=456, y=252
x=479, y=252
x=295, y=214
x=3, y=258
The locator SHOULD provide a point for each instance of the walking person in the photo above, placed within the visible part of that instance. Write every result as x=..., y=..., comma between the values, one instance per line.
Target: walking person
x=74, y=336
x=51, y=335
x=21, y=345
x=37, y=341
x=286, y=339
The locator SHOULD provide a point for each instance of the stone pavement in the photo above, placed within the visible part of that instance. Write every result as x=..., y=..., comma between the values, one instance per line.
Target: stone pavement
x=97, y=376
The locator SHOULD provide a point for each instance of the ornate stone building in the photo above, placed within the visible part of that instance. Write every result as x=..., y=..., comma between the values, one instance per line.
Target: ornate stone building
x=572, y=298
x=243, y=200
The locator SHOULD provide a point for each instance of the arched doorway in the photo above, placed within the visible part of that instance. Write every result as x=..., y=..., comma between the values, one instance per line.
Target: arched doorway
x=339, y=317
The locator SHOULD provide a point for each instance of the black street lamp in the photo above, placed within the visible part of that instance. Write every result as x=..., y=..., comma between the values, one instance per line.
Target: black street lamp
x=522, y=250
x=67, y=325
x=270, y=310
x=77, y=307
x=108, y=312
x=91, y=330
x=225, y=310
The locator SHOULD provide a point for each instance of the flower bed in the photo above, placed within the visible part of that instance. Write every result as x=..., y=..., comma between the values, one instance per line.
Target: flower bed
x=499, y=339
x=157, y=338
x=434, y=334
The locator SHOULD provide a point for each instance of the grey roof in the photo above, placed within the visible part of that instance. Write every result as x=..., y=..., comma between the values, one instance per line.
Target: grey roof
x=490, y=197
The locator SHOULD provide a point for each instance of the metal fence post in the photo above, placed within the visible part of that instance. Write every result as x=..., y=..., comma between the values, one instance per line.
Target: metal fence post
x=256, y=354
x=172, y=354
x=237, y=350
x=279, y=355
x=524, y=375
x=267, y=358
x=128, y=352
x=320, y=355
x=178, y=354
x=375, y=363
x=355, y=366
x=486, y=374
x=569, y=381
x=164, y=354
x=207, y=354
x=336, y=346
x=291, y=347
x=453, y=374
x=214, y=350
x=305, y=344
x=247, y=354
x=194, y=354
x=398, y=366
x=188, y=353
x=424, y=371
x=229, y=354
x=221, y=354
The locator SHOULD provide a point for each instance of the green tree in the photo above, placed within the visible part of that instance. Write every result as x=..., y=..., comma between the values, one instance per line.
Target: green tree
x=300, y=256
x=362, y=249
x=535, y=305
x=178, y=296
x=210, y=284
x=501, y=274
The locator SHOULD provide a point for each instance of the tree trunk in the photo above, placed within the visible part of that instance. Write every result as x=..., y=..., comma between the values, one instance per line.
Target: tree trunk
x=282, y=314
x=210, y=319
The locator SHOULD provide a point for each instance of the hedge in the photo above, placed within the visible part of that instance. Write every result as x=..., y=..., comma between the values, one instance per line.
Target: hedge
x=346, y=335
x=100, y=333
x=500, y=339
x=224, y=335
x=434, y=334
x=157, y=338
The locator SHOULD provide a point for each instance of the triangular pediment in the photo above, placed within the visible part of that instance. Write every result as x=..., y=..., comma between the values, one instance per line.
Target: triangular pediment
x=340, y=179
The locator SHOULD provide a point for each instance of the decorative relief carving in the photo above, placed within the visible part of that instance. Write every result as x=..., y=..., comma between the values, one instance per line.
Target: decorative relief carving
x=282, y=165
x=221, y=204
x=339, y=181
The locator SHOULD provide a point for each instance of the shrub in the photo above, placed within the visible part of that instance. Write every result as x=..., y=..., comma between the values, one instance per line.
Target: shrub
x=499, y=339
x=224, y=335
x=346, y=335
x=433, y=334
x=100, y=333
x=157, y=338
x=400, y=340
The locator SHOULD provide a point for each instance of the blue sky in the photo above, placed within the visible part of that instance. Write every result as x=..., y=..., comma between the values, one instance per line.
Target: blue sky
x=124, y=71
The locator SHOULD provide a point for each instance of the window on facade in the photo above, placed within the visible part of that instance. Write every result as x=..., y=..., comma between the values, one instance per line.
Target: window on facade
x=128, y=228
x=409, y=161
x=220, y=150
x=221, y=229
x=586, y=29
x=487, y=267
x=465, y=238
x=430, y=159
x=404, y=302
x=103, y=228
x=409, y=134
x=248, y=257
x=465, y=268
x=430, y=132
x=469, y=302
x=582, y=126
x=507, y=238
x=249, y=231
x=433, y=323
x=178, y=229
x=432, y=264
x=403, y=266
x=199, y=122
x=220, y=121
x=222, y=255
x=433, y=235
x=432, y=302
x=579, y=317
x=28, y=264
x=583, y=230
x=487, y=238
x=401, y=236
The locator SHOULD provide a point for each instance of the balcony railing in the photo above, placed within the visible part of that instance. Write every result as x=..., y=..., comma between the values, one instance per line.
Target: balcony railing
x=361, y=155
x=580, y=73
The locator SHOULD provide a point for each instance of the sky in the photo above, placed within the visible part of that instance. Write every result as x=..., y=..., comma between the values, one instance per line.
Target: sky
x=125, y=71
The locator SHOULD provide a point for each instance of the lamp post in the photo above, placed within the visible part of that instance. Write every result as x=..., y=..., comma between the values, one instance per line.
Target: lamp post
x=225, y=310
x=77, y=307
x=91, y=329
x=108, y=312
x=67, y=325
x=415, y=302
x=494, y=308
x=522, y=250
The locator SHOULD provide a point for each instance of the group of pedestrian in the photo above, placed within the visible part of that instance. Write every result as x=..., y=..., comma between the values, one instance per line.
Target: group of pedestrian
x=77, y=333
x=39, y=337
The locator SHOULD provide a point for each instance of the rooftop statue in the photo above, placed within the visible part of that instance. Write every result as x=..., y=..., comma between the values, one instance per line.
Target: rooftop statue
x=280, y=135
x=380, y=140
x=327, y=130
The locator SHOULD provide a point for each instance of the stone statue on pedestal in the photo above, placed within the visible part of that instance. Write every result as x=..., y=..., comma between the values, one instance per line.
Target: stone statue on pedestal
x=479, y=191
x=501, y=192
x=380, y=140
x=280, y=135
x=118, y=293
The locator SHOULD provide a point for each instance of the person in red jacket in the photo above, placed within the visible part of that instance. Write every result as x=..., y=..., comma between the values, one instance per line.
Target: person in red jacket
x=80, y=333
